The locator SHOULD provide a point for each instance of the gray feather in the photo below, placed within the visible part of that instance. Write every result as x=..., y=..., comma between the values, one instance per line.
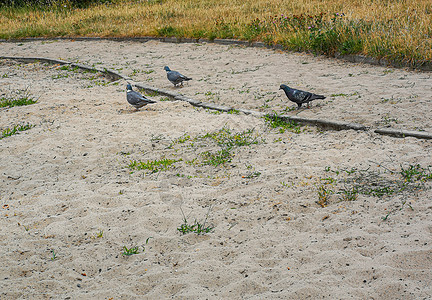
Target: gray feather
x=136, y=99
x=175, y=77
x=299, y=96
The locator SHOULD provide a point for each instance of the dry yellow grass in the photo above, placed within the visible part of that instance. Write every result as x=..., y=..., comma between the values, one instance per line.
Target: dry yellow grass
x=397, y=30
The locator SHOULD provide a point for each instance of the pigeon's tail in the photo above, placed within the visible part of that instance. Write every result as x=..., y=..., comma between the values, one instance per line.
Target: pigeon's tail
x=187, y=78
x=315, y=97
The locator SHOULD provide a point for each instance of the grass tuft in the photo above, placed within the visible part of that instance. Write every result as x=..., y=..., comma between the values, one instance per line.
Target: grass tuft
x=53, y=255
x=221, y=157
x=14, y=130
x=197, y=227
x=415, y=173
x=225, y=138
x=135, y=250
x=153, y=166
x=18, y=98
x=214, y=149
x=377, y=182
x=276, y=121
x=130, y=251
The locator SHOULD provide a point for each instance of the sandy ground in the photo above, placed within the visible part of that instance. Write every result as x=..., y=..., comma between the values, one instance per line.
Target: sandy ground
x=70, y=203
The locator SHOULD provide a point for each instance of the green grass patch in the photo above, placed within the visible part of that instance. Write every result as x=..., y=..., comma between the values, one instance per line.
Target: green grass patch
x=15, y=130
x=70, y=68
x=277, y=122
x=134, y=250
x=227, y=141
x=416, y=173
x=181, y=140
x=17, y=98
x=214, y=149
x=196, y=227
x=233, y=112
x=95, y=78
x=378, y=182
x=130, y=251
x=153, y=166
x=218, y=158
x=226, y=138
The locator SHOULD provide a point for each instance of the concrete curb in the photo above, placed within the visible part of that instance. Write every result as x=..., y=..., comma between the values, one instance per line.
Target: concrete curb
x=326, y=124
x=404, y=133
x=36, y=59
x=111, y=73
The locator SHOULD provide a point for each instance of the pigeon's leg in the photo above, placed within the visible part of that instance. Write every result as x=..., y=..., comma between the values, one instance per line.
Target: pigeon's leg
x=299, y=106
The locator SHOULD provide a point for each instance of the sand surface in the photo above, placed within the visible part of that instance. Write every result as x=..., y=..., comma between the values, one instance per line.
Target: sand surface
x=66, y=189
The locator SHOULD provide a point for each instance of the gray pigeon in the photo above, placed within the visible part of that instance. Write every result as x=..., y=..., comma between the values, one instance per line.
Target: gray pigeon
x=136, y=99
x=175, y=77
x=299, y=96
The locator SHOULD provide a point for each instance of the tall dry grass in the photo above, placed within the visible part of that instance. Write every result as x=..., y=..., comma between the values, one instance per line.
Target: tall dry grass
x=399, y=30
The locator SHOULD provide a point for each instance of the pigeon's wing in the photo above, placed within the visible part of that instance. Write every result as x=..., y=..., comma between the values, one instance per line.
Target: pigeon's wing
x=315, y=96
x=174, y=76
x=145, y=100
x=132, y=98
x=135, y=98
x=183, y=77
x=177, y=77
x=300, y=96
